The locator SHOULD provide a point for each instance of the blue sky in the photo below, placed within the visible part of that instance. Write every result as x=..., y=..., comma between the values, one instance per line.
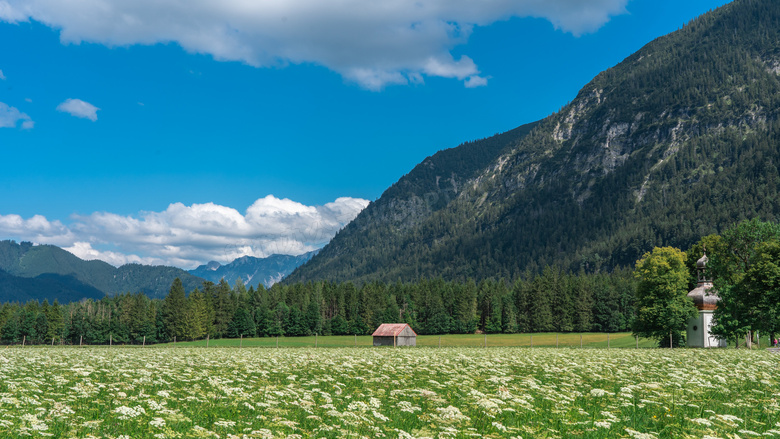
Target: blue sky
x=137, y=131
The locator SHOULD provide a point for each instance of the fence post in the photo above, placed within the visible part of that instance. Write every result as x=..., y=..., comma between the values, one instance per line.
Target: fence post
x=440, y=341
x=110, y=339
x=315, y=339
x=24, y=339
x=174, y=341
x=81, y=338
x=637, y=342
x=607, y=340
x=532, y=340
x=241, y=342
x=144, y=342
x=52, y=341
x=277, y=341
x=671, y=342
x=556, y=340
x=580, y=340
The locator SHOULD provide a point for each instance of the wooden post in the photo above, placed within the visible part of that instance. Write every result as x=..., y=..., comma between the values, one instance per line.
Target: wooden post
x=485, y=345
x=110, y=339
x=395, y=343
x=24, y=339
x=315, y=339
x=671, y=342
x=144, y=342
x=207, y=340
x=81, y=338
x=637, y=342
x=440, y=341
x=580, y=340
x=174, y=341
x=532, y=340
x=607, y=340
x=241, y=342
x=52, y=341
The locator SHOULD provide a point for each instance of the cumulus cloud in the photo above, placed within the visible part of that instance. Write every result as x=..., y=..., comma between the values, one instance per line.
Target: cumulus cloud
x=187, y=236
x=2, y=76
x=79, y=108
x=475, y=81
x=11, y=116
x=374, y=43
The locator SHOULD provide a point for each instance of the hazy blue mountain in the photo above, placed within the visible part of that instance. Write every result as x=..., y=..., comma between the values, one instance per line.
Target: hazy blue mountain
x=679, y=140
x=70, y=274
x=253, y=271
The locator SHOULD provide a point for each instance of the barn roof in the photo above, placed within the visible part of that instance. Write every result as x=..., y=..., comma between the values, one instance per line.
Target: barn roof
x=391, y=329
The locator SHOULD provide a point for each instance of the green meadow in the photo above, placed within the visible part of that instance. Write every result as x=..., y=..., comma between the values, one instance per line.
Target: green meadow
x=571, y=340
x=425, y=392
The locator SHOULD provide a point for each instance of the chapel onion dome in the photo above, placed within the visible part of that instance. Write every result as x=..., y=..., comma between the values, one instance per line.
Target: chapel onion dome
x=701, y=264
x=704, y=297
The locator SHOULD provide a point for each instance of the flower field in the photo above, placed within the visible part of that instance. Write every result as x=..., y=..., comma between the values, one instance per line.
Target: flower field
x=133, y=393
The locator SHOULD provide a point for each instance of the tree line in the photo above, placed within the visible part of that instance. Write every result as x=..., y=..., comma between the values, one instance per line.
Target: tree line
x=743, y=264
x=544, y=302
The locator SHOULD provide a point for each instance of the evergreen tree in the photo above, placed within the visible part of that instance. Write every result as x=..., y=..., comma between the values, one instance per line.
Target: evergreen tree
x=174, y=310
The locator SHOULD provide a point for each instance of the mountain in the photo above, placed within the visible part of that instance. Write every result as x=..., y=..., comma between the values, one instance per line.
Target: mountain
x=253, y=271
x=45, y=286
x=679, y=140
x=72, y=276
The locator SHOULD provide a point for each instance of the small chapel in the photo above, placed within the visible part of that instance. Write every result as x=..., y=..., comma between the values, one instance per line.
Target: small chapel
x=705, y=298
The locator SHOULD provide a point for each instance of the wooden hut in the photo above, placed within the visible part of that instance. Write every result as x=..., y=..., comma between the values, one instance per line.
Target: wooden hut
x=394, y=334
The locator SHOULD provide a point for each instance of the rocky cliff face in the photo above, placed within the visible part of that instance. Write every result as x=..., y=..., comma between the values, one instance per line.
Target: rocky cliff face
x=677, y=141
x=252, y=271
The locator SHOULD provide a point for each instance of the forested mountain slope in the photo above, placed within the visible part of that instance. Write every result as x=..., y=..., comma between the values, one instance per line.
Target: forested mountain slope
x=65, y=272
x=679, y=140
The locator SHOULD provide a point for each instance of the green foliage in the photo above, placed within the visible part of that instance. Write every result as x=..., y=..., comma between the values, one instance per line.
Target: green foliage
x=570, y=303
x=741, y=284
x=662, y=306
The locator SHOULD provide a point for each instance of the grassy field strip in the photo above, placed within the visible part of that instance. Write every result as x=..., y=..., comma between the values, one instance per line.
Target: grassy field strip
x=589, y=340
x=131, y=393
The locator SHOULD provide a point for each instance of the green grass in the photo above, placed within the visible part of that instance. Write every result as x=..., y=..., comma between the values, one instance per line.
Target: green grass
x=548, y=340
x=459, y=392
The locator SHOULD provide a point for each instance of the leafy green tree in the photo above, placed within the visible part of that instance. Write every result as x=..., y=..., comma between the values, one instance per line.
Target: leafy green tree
x=760, y=289
x=662, y=305
x=732, y=258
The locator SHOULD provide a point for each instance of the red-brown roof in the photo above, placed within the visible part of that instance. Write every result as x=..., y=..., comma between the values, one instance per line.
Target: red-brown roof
x=391, y=329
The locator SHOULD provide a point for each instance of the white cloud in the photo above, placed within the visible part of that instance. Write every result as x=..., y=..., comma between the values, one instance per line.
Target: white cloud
x=11, y=116
x=85, y=251
x=186, y=236
x=374, y=43
x=2, y=76
x=475, y=81
x=79, y=108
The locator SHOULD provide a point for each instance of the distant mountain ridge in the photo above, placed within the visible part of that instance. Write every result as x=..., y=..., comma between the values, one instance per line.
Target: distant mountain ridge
x=679, y=140
x=69, y=278
x=251, y=270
